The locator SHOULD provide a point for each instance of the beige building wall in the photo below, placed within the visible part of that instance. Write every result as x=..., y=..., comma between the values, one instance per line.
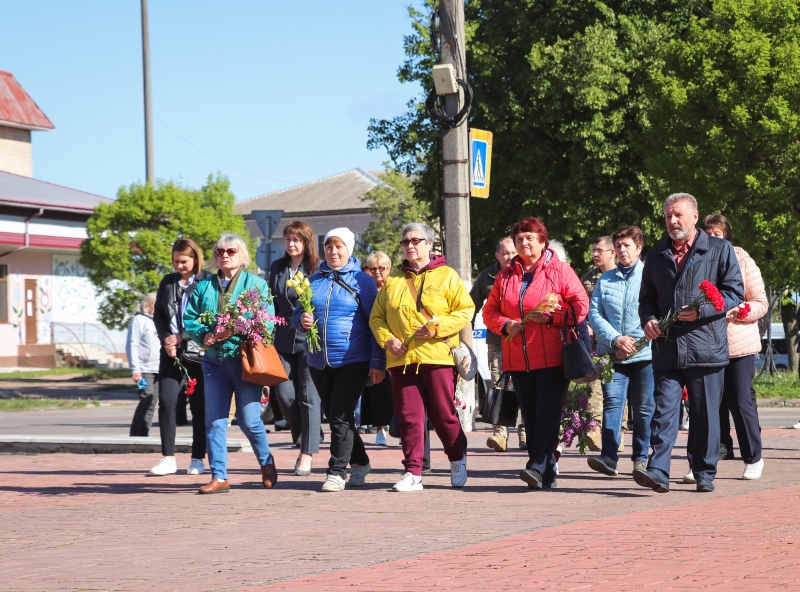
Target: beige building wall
x=16, y=151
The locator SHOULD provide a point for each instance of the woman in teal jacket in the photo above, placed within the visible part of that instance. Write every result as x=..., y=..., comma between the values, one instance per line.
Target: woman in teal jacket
x=614, y=317
x=222, y=365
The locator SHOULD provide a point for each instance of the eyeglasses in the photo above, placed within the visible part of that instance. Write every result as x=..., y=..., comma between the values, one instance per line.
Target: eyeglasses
x=411, y=241
x=230, y=252
x=598, y=251
x=377, y=269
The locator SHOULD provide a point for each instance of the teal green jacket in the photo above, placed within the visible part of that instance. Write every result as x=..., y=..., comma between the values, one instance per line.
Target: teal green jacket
x=205, y=298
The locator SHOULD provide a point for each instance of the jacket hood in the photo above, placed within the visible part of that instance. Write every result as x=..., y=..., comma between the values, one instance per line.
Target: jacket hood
x=547, y=258
x=351, y=265
x=435, y=262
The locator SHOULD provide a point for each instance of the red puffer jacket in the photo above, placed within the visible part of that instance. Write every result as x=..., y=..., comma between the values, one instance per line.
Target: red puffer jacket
x=539, y=345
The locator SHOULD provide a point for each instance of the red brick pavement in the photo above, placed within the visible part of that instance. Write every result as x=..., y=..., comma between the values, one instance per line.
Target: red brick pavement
x=98, y=522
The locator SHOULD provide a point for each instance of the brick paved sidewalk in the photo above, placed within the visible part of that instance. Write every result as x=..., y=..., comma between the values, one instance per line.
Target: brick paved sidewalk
x=98, y=522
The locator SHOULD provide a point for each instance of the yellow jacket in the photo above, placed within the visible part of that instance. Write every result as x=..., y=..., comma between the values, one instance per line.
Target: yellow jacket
x=395, y=314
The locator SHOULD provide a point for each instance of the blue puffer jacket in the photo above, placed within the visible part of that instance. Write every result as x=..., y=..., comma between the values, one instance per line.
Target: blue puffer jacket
x=344, y=331
x=614, y=311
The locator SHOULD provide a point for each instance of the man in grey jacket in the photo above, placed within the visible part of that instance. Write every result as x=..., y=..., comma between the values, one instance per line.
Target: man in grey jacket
x=143, y=348
x=695, y=351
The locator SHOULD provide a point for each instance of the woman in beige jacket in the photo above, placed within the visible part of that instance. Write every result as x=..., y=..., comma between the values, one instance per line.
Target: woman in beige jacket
x=744, y=342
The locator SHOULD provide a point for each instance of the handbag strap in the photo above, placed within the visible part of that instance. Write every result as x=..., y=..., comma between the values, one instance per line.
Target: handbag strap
x=421, y=307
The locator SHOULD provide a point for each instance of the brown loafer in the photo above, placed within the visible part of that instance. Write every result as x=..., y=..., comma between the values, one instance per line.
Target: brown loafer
x=269, y=475
x=216, y=486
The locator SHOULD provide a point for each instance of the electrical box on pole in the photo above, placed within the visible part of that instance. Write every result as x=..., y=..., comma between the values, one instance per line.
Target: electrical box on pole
x=267, y=221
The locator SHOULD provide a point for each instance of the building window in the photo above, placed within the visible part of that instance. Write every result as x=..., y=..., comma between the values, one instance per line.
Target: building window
x=3, y=293
x=321, y=246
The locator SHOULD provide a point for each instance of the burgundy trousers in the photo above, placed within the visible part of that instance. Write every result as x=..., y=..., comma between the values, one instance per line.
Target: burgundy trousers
x=428, y=386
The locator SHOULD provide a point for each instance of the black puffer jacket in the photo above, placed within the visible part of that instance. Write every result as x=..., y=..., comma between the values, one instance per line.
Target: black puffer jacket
x=168, y=300
x=703, y=342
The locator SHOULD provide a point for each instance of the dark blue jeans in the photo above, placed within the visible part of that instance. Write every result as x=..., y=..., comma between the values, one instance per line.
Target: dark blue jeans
x=634, y=380
x=705, y=393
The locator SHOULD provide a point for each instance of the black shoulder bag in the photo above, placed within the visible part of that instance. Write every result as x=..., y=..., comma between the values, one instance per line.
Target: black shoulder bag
x=576, y=354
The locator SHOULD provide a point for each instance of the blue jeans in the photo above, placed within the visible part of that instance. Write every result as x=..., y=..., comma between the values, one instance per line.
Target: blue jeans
x=224, y=378
x=634, y=380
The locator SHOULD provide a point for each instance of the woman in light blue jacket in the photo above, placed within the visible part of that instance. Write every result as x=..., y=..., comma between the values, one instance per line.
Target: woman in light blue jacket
x=614, y=317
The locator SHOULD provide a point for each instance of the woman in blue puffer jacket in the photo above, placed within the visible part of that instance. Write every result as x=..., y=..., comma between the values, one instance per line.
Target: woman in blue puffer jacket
x=614, y=317
x=343, y=298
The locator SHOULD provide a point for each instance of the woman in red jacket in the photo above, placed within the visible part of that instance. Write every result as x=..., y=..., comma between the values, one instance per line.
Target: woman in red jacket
x=533, y=354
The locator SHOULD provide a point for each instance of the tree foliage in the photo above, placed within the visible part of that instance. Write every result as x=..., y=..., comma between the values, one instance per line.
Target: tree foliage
x=129, y=245
x=392, y=205
x=600, y=109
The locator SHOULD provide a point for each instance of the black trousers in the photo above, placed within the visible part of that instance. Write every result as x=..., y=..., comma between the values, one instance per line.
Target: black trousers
x=143, y=416
x=739, y=397
x=540, y=394
x=170, y=385
x=340, y=388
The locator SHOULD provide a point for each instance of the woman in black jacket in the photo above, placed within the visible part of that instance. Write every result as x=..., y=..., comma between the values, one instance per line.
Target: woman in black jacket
x=297, y=398
x=171, y=298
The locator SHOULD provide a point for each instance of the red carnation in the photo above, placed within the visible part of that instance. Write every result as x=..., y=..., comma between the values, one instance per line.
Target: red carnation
x=713, y=295
x=743, y=311
x=192, y=382
x=685, y=394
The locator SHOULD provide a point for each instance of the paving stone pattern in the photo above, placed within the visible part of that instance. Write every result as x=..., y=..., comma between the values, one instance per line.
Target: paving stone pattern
x=86, y=522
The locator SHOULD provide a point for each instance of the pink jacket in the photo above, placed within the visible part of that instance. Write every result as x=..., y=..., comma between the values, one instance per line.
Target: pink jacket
x=743, y=336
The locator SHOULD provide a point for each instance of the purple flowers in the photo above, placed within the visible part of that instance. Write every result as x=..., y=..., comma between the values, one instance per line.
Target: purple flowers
x=577, y=420
x=248, y=317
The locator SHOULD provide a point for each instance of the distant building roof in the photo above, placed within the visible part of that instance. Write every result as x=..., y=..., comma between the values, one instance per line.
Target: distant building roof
x=17, y=108
x=339, y=193
x=19, y=191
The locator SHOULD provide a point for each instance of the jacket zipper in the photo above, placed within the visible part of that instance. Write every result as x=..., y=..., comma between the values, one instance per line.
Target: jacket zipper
x=522, y=316
x=325, y=325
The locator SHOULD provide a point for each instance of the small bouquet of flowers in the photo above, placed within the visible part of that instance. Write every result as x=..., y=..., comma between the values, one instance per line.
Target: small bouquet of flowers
x=190, y=382
x=709, y=294
x=546, y=307
x=429, y=325
x=742, y=311
x=577, y=420
x=302, y=287
x=246, y=317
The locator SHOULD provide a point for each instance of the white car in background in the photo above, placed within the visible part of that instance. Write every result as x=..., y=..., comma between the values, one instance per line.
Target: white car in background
x=779, y=354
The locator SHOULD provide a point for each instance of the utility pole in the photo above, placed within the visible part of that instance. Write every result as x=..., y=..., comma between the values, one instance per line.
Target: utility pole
x=456, y=184
x=148, y=104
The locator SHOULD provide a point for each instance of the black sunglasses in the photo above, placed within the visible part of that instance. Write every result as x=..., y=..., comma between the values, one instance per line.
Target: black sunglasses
x=412, y=241
x=230, y=252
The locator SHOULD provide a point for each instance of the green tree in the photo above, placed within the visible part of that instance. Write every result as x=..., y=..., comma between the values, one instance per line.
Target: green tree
x=128, y=249
x=392, y=205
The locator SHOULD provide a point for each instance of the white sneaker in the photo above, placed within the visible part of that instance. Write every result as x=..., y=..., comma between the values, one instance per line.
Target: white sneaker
x=753, y=472
x=458, y=472
x=333, y=483
x=358, y=473
x=380, y=438
x=408, y=482
x=797, y=426
x=166, y=466
x=689, y=478
x=196, y=467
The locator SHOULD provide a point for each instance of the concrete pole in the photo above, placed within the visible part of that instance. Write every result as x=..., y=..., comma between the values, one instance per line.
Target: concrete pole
x=148, y=104
x=455, y=156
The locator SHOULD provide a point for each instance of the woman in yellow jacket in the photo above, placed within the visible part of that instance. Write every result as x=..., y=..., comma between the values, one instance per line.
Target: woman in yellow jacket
x=421, y=305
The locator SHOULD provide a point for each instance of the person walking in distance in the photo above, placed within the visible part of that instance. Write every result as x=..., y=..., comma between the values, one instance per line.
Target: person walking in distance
x=500, y=409
x=142, y=347
x=614, y=317
x=417, y=317
x=297, y=398
x=695, y=351
x=171, y=299
x=744, y=341
x=605, y=259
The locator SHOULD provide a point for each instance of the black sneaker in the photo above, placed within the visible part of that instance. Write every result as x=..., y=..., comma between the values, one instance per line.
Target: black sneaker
x=725, y=453
x=549, y=484
x=705, y=485
x=601, y=465
x=532, y=477
x=652, y=479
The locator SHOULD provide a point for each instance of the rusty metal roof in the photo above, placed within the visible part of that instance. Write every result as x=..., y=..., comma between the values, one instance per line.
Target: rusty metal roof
x=342, y=192
x=17, y=108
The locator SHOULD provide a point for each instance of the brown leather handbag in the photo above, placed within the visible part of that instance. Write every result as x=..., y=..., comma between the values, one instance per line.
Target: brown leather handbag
x=262, y=365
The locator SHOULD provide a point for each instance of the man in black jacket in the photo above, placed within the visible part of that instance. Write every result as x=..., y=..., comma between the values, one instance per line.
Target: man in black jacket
x=695, y=351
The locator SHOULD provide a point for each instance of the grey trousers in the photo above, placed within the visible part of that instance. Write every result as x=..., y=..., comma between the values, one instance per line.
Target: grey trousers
x=299, y=402
x=143, y=416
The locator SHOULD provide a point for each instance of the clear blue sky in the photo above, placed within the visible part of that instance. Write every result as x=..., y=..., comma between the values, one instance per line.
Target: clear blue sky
x=282, y=90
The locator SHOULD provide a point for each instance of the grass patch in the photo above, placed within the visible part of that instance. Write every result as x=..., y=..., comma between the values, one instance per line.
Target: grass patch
x=26, y=404
x=786, y=385
x=88, y=373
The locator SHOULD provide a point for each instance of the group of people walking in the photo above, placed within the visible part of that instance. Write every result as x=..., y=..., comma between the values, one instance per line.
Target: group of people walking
x=394, y=331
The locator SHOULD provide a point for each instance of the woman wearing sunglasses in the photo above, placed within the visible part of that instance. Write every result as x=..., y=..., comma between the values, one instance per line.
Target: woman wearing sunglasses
x=222, y=364
x=343, y=298
x=421, y=305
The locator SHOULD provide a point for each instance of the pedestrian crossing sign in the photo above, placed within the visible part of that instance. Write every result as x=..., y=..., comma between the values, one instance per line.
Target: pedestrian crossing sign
x=480, y=158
